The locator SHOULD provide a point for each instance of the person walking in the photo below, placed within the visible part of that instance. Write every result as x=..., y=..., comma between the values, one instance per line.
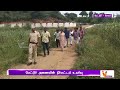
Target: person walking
x=62, y=40
x=76, y=35
x=66, y=36
x=45, y=39
x=37, y=32
x=71, y=37
x=33, y=43
x=81, y=34
x=57, y=38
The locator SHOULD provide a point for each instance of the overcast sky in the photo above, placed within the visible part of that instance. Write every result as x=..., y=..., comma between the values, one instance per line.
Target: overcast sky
x=106, y=12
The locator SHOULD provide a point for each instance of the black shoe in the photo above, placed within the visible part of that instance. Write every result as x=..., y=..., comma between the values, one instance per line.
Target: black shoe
x=64, y=46
x=48, y=53
x=35, y=63
x=29, y=63
x=44, y=55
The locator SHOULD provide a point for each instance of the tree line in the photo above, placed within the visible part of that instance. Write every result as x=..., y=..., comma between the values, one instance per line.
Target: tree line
x=12, y=16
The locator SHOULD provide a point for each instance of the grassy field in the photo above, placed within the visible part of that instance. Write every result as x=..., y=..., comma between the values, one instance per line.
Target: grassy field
x=10, y=52
x=100, y=50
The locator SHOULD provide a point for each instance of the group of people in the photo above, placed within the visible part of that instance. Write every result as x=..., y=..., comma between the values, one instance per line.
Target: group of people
x=62, y=38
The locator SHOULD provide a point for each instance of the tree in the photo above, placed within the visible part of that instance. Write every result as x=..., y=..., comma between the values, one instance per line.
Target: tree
x=71, y=16
x=56, y=14
x=37, y=15
x=83, y=13
x=67, y=15
x=29, y=15
x=90, y=14
x=83, y=20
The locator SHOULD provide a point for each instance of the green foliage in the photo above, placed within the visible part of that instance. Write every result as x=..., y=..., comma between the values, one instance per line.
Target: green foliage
x=27, y=26
x=100, y=50
x=83, y=13
x=6, y=16
x=90, y=14
x=71, y=16
x=14, y=46
x=83, y=20
x=11, y=16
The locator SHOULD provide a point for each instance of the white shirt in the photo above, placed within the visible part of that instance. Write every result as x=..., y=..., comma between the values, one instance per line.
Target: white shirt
x=45, y=36
x=71, y=33
x=57, y=35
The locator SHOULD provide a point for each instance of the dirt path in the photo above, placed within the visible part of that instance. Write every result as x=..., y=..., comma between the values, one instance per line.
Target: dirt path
x=56, y=60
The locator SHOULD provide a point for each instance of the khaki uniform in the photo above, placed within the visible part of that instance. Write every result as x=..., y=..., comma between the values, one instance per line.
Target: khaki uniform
x=32, y=46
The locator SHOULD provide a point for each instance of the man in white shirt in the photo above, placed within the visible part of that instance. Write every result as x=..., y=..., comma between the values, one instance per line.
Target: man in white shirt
x=57, y=38
x=71, y=37
x=45, y=39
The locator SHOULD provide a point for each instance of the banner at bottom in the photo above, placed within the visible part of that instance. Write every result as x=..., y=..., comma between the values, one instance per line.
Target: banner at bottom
x=53, y=72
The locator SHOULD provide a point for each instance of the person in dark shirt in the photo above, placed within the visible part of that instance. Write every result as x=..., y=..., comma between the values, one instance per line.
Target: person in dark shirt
x=66, y=36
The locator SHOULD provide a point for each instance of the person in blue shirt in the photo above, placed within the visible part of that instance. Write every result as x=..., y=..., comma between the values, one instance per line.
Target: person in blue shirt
x=66, y=31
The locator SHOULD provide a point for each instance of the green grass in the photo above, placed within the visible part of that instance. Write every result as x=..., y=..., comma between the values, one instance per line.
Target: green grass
x=10, y=53
x=100, y=50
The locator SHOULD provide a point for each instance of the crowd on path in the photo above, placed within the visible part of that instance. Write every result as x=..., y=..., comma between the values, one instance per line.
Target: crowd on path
x=62, y=39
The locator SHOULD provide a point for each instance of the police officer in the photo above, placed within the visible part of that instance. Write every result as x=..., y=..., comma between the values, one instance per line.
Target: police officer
x=33, y=43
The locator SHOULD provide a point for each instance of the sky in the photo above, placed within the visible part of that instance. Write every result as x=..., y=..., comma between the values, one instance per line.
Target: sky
x=106, y=12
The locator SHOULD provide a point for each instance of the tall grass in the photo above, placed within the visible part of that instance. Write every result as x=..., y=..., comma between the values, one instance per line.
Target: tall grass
x=100, y=50
x=10, y=52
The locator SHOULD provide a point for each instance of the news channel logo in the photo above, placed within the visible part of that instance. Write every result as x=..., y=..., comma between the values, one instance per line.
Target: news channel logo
x=102, y=15
x=107, y=73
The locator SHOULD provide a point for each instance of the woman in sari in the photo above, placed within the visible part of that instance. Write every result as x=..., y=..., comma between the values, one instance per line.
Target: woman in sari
x=62, y=39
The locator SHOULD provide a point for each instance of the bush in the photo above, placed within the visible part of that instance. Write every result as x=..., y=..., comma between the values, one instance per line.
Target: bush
x=27, y=26
x=100, y=50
